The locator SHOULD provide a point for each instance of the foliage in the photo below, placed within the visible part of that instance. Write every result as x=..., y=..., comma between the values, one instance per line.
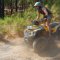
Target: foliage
x=19, y=21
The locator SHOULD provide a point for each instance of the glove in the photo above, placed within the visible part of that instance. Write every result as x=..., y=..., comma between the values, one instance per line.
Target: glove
x=35, y=22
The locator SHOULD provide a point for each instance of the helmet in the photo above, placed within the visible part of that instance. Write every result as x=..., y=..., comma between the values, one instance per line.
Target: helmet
x=37, y=4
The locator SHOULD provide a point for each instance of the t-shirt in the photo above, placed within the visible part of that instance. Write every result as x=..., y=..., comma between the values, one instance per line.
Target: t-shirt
x=41, y=10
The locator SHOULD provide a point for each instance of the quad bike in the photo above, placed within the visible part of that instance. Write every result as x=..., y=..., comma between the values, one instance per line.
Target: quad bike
x=37, y=35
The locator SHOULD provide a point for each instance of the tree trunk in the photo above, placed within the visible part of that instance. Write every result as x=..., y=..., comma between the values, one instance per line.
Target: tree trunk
x=11, y=7
x=1, y=8
x=16, y=5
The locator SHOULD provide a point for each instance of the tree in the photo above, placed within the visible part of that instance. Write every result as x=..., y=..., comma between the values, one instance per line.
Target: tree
x=1, y=8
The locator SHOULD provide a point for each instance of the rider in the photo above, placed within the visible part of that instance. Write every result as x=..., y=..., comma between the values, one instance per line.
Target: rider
x=45, y=12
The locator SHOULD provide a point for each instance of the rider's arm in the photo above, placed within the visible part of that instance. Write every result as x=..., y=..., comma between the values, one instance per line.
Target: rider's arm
x=38, y=15
x=45, y=11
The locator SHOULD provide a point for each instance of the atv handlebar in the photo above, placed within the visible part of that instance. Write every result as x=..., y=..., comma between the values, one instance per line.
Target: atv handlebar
x=37, y=22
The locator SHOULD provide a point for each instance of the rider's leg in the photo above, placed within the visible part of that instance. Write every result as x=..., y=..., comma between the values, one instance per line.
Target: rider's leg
x=48, y=26
x=48, y=20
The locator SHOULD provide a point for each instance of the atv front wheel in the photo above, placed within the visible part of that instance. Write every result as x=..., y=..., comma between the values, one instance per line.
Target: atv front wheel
x=40, y=44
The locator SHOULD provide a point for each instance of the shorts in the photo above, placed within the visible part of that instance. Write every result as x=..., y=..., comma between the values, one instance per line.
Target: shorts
x=48, y=17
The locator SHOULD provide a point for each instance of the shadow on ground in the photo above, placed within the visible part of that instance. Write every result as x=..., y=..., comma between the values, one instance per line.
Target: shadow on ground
x=58, y=58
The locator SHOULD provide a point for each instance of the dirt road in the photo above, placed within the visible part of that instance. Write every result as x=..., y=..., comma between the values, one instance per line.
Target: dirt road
x=16, y=49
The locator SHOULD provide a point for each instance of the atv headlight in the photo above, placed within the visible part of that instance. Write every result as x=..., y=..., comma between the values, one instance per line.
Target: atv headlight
x=29, y=27
x=29, y=33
